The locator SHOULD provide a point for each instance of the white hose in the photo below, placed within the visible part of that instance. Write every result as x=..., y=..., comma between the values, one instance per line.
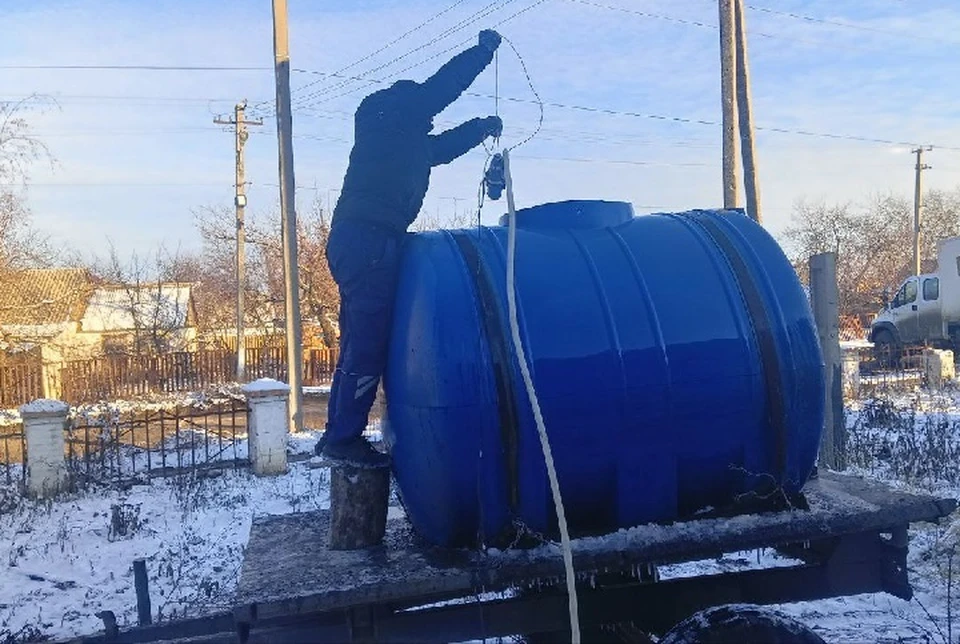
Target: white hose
x=535, y=403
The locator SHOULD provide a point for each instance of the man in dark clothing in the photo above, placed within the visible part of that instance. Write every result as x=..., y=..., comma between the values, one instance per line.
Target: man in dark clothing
x=382, y=193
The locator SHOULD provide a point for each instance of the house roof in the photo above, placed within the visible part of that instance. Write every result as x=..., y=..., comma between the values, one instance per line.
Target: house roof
x=124, y=308
x=43, y=297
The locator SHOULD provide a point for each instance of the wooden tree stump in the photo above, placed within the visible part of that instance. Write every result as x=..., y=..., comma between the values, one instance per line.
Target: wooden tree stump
x=358, y=506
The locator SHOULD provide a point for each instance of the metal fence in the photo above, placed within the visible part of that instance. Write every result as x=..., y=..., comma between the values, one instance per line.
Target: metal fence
x=13, y=450
x=105, y=444
x=887, y=372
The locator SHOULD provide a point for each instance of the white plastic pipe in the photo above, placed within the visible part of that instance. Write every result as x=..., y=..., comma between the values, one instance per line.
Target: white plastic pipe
x=535, y=402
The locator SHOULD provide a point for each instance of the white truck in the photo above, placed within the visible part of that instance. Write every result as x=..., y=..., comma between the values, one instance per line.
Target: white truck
x=925, y=310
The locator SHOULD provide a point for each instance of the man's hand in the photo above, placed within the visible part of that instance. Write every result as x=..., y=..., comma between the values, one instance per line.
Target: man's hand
x=494, y=126
x=489, y=39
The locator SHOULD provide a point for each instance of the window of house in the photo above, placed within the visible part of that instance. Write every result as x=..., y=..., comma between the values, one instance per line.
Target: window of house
x=931, y=288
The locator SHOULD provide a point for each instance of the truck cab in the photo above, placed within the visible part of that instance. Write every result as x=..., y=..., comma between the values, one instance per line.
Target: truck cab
x=925, y=309
x=913, y=316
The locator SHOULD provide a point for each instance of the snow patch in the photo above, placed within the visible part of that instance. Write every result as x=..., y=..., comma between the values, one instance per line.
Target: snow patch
x=45, y=406
x=266, y=385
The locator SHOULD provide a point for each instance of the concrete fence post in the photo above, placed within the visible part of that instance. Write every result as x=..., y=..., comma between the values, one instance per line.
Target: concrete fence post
x=938, y=367
x=267, y=424
x=44, y=423
x=824, y=298
x=851, y=373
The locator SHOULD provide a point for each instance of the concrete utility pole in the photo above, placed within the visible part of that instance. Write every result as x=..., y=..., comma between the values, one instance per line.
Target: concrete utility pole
x=728, y=92
x=750, y=179
x=825, y=297
x=240, y=124
x=291, y=272
x=917, y=205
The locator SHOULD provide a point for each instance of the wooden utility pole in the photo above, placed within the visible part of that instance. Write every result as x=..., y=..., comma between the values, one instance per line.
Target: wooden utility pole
x=240, y=124
x=751, y=181
x=917, y=205
x=728, y=92
x=288, y=213
x=824, y=297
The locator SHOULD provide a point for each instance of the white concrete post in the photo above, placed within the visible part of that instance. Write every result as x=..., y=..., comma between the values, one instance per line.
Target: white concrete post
x=851, y=373
x=267, y=423
x=44, y=423
x=939, y=367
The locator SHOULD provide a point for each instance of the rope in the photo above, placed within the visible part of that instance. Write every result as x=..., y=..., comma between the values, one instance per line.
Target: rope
x=535, y=404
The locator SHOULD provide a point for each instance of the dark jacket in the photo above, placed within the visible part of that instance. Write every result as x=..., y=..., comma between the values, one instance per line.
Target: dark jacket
x=393, y=150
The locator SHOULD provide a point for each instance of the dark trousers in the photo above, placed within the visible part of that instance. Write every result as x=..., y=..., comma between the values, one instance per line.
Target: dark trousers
x=364, y=260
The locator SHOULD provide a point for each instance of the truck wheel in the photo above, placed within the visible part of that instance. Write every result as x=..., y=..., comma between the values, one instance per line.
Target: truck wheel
x=886, y=350
x=740, y=623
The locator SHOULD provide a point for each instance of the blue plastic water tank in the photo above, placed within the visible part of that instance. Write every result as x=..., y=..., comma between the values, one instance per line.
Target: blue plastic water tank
x=674, y=355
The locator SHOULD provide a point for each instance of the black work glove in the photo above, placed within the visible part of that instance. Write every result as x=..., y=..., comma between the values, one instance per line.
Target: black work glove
x=494, y=126
x=489, y=39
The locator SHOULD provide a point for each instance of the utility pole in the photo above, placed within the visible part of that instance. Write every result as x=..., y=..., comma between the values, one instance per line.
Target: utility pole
x=917, y=205
x=750, y=180
x=728, y=91
x=240, y=124
x=288, y=213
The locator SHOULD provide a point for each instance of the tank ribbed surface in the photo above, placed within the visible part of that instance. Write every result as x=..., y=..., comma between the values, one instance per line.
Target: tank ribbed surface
x=675, y=359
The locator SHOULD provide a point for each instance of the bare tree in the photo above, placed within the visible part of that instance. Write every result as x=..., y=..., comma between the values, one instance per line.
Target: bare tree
x=20, y=245
x=427, y=220
x=217, y=281
x=319, y=296
x=143, y=301
x=872, y=242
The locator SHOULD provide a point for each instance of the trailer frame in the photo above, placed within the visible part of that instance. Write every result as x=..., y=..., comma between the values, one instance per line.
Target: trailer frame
x=853, y=539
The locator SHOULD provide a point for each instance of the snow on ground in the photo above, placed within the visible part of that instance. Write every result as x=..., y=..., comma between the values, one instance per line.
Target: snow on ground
x=62, y=562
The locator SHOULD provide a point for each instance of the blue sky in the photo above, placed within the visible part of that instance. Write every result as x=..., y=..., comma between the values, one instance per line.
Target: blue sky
x=138, y=152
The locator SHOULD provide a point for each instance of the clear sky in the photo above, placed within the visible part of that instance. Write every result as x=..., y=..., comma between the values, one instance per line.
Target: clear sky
x=138, y=150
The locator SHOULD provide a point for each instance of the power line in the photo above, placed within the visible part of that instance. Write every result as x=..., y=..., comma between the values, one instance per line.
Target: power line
x=834, y=23
x=380, y=50
x=554, y=104
x=711, y=26
x=846, y=25
x=664, y=117
x=485, y=11
x=393, y=75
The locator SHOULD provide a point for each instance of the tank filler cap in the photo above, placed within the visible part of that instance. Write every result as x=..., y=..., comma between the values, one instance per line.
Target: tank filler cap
x=579, y=214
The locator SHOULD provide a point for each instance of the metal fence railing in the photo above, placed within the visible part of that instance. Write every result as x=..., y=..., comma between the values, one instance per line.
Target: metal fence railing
x=107, y=445
x=891, y=370
x=13, y=450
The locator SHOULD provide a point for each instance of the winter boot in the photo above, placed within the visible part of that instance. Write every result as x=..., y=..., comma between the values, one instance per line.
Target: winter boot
x=356, y=452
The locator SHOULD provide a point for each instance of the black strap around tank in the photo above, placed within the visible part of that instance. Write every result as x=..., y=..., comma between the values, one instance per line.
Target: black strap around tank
x=763, y=327
x=488, y=310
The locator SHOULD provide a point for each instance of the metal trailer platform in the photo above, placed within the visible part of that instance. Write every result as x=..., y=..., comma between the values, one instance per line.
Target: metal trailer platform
x=852, y=540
